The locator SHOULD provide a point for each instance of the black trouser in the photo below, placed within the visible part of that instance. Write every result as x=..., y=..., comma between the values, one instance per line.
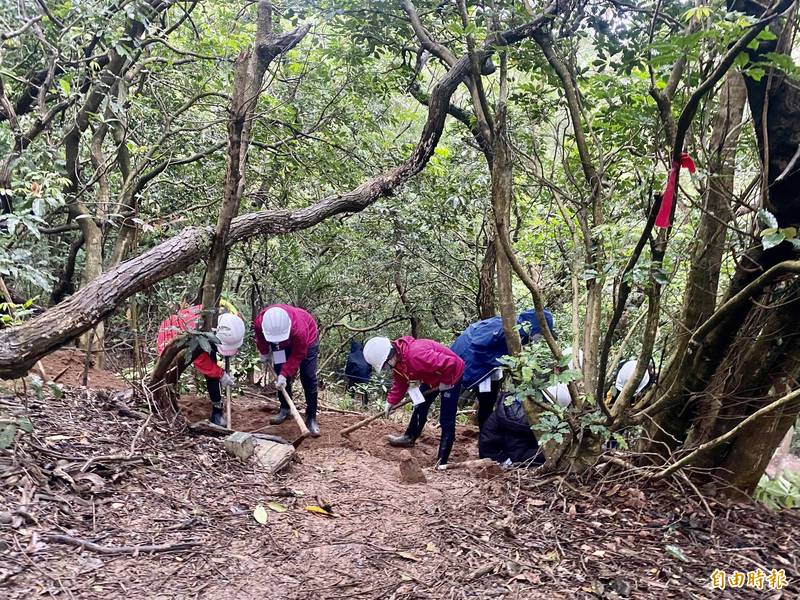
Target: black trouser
x=308, y=378
x=212, y=383
x=447, y=418
x=486, y=402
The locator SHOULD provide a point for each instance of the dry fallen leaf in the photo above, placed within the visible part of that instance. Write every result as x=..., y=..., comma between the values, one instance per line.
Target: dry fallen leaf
x=318, y=510
x=431, y=547
x=408, y=556
x=277, y=507
x=551, y=556
x=676, y=552
x=260, y=515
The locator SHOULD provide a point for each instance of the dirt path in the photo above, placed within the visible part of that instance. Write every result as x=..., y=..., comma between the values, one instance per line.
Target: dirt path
x=454, y=537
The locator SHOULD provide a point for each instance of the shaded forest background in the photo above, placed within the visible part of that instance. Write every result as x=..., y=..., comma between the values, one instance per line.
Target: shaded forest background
x=410, y=168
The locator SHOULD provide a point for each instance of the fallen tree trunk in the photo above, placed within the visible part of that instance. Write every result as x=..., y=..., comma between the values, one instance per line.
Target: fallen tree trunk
x=21, y=347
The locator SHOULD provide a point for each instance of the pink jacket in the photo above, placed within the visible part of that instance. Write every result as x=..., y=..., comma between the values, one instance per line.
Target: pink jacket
x=186, y=319
x=302, y=336
x=423, y=360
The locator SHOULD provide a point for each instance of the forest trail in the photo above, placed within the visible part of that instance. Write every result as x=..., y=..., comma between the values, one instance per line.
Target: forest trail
x=514, y=536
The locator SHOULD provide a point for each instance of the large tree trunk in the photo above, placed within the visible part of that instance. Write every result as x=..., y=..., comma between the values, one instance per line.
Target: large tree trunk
x=487, y=298
x=250, y=67
x=750, y=356
x=502, y=194
x=65, y=285
x=703, y=280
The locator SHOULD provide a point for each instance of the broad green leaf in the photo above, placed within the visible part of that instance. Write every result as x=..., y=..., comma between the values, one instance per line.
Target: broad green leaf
x=772, y=240
x=767, y=218
x=7, y=433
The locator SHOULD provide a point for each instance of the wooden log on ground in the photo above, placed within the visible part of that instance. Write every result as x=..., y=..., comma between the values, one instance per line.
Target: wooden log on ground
x=272, y=457
x=268, y=455
x=207, y=428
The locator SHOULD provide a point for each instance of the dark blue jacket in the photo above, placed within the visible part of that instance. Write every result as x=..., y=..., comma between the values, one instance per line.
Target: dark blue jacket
x=507, y=435
x=483, y=343
x=357, y=370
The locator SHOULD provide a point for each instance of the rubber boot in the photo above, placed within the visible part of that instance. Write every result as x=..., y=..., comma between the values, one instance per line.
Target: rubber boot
x=216, y=415
x=401, y=441
x=313, y=426
x=282, y=415
x=445, y=446
x=413, y=431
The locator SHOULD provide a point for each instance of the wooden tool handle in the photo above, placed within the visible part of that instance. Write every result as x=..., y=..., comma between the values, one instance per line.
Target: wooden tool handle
x=304, y=432
x=295, y=413
x=370, y=419
x=228, y=393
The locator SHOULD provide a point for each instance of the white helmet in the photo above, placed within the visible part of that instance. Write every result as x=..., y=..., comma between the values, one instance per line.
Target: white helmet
x=560, y=394
x=276, y=325
x=376, y=351
x=571, y=365
x=626, y=372
x=230, y=332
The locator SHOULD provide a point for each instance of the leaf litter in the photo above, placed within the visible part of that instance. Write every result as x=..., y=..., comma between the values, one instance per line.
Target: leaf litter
x=180, y=517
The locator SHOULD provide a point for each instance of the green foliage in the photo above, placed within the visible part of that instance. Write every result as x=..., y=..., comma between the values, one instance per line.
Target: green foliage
x=196, y=341
x=781, y=491
x=534, y=369
x=773, y=235
x=337, y=110
x=14, y=314
x=9, y=426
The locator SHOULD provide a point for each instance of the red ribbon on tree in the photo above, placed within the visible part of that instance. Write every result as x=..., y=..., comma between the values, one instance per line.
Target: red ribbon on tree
x=665, y=212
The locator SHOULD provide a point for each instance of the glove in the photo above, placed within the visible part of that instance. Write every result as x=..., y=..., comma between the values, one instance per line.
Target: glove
x=226, y=380
x=441, y=467
x=386, y=410
x=281, y=383
x=443, y=387
x=264, y=358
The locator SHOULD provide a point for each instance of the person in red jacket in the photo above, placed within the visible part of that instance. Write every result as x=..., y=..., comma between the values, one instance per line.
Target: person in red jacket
x=230, y=332
x=288, y=336
x=421, y=368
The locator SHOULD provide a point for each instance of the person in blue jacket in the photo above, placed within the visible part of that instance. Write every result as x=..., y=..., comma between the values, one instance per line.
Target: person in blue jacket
x=482, y=344
x=357, y=369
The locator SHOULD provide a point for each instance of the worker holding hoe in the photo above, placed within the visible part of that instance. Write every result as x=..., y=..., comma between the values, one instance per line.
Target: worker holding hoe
x=423, y=368
x=229, y=332
x=288, y=337
x=482, y=345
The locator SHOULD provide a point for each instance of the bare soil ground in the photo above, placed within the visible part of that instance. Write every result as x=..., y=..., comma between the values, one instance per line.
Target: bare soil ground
x=90, y=472
x=66, y=366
